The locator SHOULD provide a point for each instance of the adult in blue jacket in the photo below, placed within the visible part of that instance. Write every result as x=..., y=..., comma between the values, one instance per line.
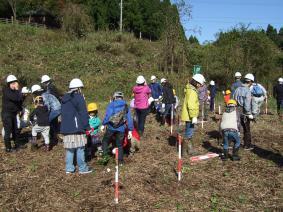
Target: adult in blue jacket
x=212, y=90
x=117, y=130
x=155, y=87
x=238, y=83
x=74, y=124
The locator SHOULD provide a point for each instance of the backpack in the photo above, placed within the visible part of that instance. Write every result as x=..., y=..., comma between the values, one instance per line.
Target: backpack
x=118, y=119
x=257, y=91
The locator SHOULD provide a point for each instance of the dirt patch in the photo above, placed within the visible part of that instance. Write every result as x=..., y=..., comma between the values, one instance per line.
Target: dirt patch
x=36, y=181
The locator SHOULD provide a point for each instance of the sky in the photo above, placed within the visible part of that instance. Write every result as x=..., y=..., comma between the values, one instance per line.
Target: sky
x=210, y=16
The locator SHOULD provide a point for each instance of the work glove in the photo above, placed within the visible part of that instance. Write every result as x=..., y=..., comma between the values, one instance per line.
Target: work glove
x=87, y=132
x=251, y=116
x=130, y=135
x=102, y=128
x=195, y=120
x=163, y=105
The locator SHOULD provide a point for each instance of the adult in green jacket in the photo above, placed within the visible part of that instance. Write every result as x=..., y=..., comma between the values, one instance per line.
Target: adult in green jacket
x=190, y=110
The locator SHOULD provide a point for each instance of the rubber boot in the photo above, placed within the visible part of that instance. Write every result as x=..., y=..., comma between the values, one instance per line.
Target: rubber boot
x=225, y=155
x=235, y=156
x=185, y=147
x=33, y=144
x=191, y=150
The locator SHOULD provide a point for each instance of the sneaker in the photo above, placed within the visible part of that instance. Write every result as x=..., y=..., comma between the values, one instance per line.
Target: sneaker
x=67, y=172
x=10, y=150
x=86, y=172
x=248, y=148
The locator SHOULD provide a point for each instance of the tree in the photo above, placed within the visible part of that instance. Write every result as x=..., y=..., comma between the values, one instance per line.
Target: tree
x=271, y=32
x=13, y=5
x=193, y=39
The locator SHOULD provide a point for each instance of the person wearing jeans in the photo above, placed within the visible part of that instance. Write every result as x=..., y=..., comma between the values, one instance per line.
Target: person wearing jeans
x=141, y=95
x=230, y=128
x=74, y=125
x=190, y=111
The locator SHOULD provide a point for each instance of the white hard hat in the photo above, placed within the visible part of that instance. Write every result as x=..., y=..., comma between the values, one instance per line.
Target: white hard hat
x=45, y=78
x=280, y=80
x=25, y=90
x=199, y=78
x=140, y=80
x=153, y=77
x=250, y=77
x=11, y=78
x=238, y=74
x=118, y=94
x=163, y=80
x=212, y=82
x=35, y=88
x=76, y=83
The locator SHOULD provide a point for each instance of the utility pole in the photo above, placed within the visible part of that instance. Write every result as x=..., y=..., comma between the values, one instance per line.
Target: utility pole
x=121, y=16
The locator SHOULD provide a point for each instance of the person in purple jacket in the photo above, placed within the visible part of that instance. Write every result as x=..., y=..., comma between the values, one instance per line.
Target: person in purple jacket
x=141, y=94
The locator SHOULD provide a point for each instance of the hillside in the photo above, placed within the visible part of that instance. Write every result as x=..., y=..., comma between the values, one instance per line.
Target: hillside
x=105, y=61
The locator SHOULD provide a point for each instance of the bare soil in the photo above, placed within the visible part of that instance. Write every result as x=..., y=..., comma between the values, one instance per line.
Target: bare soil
x=36, y=181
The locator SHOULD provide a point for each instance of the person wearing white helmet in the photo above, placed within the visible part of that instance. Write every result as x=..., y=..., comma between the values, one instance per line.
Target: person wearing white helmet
x=278, y=95
x=237, y=83
x=141, y=95
x=168, y=100
x=243, y=96
x=117, y=121
x=156, y=92
x=190, y=111
x=212, y=92
x=54, y=108
x=74, y=125
x=48, y=86
x=12, y=100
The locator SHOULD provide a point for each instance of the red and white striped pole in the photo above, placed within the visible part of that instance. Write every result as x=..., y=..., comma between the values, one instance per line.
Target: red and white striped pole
x=179, y=157
x=116, y=177
x=172, y=119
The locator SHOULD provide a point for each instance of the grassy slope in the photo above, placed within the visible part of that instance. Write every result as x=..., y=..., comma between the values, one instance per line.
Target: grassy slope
x=105, y=61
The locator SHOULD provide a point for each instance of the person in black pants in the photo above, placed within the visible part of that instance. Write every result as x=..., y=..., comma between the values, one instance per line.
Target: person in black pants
x=278, y=95
x=12, y=101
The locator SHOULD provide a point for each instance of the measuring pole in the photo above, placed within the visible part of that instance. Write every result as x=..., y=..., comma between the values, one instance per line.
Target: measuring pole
x=219, y=109
x=116, y=177
x=179, y=158
x=172, y=118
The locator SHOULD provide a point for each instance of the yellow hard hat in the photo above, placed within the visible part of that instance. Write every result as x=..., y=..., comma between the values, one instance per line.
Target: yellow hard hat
x=232, y=102
x=92, y=107
x=228, y=92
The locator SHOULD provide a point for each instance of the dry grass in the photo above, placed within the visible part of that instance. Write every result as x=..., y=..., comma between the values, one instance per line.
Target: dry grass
x=37, y=181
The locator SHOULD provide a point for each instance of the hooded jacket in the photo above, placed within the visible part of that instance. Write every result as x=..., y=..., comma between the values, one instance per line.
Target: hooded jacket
x=113, y=108
x=191, y=104
x=12, y=100
x=202, y=93
x=74, y=114
x=141, y=93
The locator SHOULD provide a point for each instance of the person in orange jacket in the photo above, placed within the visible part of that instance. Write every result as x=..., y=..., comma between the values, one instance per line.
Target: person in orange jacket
x=227, y=96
